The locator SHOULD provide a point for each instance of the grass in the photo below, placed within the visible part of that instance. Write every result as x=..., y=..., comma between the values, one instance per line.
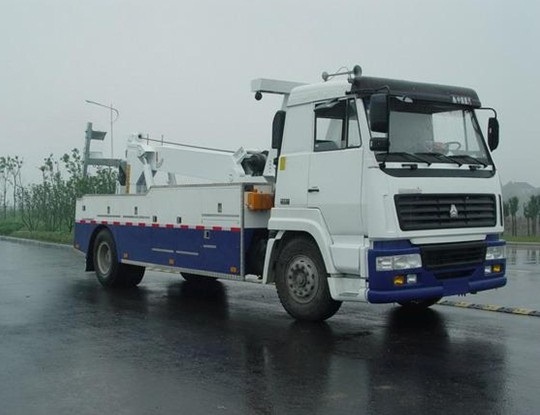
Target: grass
x=16, y=229
x=56, y=237
x=523, y=239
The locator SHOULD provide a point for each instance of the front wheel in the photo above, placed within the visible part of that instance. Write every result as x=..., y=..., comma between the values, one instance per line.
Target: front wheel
x=301, y=282
x=417, y=305
x=133, y=274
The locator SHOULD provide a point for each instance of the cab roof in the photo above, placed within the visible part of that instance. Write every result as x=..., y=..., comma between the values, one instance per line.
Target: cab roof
x=366, y=86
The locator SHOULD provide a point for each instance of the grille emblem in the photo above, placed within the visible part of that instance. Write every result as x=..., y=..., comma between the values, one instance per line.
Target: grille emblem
x=453, y=211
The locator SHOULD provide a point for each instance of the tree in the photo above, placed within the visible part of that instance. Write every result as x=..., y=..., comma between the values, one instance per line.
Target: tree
x=10, y=176
x=513, y=206
x=50, y=205
x=534, y=210
x=14, y=168
x=537, y=213
x=4, y=177
x=527, y=214
x=531, y=211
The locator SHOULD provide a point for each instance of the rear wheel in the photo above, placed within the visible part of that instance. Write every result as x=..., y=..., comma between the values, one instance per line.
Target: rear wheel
x=301, y=282
x=417, y=305
x=109, y=271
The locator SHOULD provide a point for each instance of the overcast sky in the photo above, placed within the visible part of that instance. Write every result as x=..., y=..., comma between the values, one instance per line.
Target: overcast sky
x=183, y=69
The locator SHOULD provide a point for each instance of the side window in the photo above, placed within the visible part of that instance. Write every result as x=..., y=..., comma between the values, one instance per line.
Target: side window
x=336, y=125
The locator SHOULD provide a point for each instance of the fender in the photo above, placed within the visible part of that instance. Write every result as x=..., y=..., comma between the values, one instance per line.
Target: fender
x=308, y=221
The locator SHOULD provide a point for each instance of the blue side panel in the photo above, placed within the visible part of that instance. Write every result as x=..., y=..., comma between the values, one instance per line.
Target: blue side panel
x=211, y=250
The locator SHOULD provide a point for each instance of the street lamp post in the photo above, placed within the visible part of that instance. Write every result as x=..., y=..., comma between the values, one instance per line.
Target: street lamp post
x=113, y=110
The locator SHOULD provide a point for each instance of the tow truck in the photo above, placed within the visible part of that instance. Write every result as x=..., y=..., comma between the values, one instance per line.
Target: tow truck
x=372, y=190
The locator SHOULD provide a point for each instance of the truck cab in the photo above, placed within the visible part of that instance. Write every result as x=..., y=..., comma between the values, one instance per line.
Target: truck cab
x=395, y=184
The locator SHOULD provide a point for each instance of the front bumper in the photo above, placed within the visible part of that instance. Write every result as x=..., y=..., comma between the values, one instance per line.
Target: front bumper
x=454, y=276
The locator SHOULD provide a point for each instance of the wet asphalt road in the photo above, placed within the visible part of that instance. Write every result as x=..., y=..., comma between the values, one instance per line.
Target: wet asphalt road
x=68, y=346
x=523, y=288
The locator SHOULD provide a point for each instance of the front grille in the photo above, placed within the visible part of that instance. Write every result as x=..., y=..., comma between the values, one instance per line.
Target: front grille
x=452, y=255
x=440, y=211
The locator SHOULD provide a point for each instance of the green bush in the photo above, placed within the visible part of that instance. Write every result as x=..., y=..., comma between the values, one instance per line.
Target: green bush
x=8, y=227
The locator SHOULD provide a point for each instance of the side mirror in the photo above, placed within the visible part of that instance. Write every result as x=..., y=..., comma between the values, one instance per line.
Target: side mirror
x=493, y=133
x=378, y=113
x=379, y=144
x=278, y=125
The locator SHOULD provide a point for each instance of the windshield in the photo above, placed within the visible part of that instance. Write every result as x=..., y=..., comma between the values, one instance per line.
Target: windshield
x=435, y=133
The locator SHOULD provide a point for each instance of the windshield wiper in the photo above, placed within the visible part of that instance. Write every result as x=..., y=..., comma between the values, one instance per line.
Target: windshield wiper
x=441, y=156
x=467, y=157
x=410, y=156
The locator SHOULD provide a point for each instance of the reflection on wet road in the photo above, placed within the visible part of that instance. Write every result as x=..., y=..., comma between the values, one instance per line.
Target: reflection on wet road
x=526, y=255
x=69, y=346
x=523, y=286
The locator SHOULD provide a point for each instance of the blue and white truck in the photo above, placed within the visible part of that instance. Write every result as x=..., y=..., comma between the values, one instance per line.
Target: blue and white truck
x=373, y=190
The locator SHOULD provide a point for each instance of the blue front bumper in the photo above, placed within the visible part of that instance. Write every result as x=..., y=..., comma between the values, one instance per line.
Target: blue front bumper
x=431, y=281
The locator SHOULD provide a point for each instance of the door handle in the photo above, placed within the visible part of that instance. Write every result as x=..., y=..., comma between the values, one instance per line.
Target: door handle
x=313, y=189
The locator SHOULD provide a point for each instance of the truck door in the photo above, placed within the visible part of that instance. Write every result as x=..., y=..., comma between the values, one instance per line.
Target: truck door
x=335, y=168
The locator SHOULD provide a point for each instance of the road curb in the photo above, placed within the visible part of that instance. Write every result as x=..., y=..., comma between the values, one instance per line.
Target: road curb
x=490, y=307
x=34, y=242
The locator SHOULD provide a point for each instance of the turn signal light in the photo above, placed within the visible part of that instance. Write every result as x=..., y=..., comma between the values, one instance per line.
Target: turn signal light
x=492, y=269
x=399, y=280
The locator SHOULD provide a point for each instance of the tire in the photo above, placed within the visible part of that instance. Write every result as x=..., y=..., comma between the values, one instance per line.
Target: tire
x=111, y=273
x=418, y=305
x=132, y=274
x=302, y=282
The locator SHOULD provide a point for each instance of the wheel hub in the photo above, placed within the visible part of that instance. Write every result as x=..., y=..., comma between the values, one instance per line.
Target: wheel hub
x=104, y=259
x=302, y=279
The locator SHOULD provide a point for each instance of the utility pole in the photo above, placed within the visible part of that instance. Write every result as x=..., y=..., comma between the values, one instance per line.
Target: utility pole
x=113, y=111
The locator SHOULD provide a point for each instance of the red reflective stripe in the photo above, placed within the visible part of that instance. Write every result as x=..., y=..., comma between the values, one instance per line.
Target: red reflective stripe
x=157, y=225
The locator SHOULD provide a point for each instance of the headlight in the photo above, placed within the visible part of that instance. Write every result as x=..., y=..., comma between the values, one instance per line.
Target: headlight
x=496, y=252
x=396, y=262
